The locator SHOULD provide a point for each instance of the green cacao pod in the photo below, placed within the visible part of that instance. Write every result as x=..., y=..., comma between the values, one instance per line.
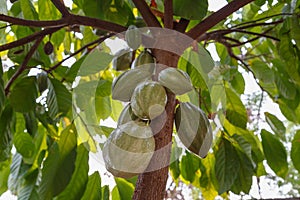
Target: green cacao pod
x=129, y=149
x=193, y=128
x=148, y=100
x=133, y=37
x=126, y=115
x=175, y=80
x=143, y=58
x=122, y=60
x=124, y=85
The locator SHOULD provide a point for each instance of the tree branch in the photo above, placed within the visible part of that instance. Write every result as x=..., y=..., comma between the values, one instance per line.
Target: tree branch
x=216, y=17
x=101, y=39
x=24, y=64
x=59, y=4
x=32, y=23
x=181, y=25
x=146, y=13
x=29, y=38
x=168, y=14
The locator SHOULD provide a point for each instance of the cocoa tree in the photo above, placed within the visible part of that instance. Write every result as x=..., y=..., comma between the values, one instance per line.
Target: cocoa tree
x=45, y=139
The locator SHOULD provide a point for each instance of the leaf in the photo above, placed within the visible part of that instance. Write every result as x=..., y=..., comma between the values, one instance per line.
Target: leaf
x=59, y=99
x=226, y=165
x=285, y=87
x=174, y=166
x=24, y=144
x=295, y=152
x=2, y=93
x=189, y=164
x=27, y=190
x=7, y=122
x=105, y=192
x=28, y=10
x=93, y=189
x=17, y=171
x=125, y=188
x=243, y=181
x=4, y=173
x=59, y=165
x=295, y=29
x=235, y=109
x=77, y=184
x=103, y=107
x=47, y=10
x=276, y=125
x=24, y=94
x=275, y=153
x=262, y=71
x=95, y=62
x=190, y=9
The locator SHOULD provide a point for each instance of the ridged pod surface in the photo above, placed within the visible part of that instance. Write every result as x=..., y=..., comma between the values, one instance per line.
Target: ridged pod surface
x=124, y=85
x=122, y=60
x=126, y=115
x=133, y=37
x=128, y=150
x=148, y=100
x=193, y=128
x=175, y=80
x=143, y=58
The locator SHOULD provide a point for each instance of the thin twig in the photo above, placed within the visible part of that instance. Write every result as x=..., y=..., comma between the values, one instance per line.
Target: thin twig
x=146, y=13
x=168, y=14
x=78, y=51
x=29, y=38
x=24, y=64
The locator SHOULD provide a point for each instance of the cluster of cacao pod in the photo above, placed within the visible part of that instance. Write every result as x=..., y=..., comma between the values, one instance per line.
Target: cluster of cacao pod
x=130, y=147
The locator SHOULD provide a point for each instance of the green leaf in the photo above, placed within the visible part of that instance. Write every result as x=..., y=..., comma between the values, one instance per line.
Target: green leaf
x=77, y=184
x=93, y=188
x=189, y=164
x=285, y=87
x=105, y=192
x=103, y=107
x=295, y=152
x=59, y=99
x=59, y=165
x=226, y=165
x=28, y=10
x=4, y=173
x=262, y=71
x=295, y=29
x=275, y=153
x=6, y=132
x=27, y=190
x=190, y=9
x=243, y=181
x=24, y=144
x=47, y=10
x=95, y=62
x=238, y=83
x=235, y=110
x=24, y=94
x=2, y=93
x=18, y=170
x=276, y=125
x=174, y=166
x=125, y=188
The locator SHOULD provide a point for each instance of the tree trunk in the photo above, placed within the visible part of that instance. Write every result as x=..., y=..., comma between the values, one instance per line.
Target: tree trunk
x=152, y=184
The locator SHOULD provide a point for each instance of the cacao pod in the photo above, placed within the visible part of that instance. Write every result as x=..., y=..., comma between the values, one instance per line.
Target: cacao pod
x=148, y=100
x=193, y=128
x=126, y=115
x=48, y=48
x=124, y=85
x=122, y=60
x=126, y=153
x=133, y=37
x=143, y=58
x=175, y=80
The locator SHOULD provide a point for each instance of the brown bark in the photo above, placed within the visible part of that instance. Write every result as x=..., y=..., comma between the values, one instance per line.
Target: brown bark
x=152, y=184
